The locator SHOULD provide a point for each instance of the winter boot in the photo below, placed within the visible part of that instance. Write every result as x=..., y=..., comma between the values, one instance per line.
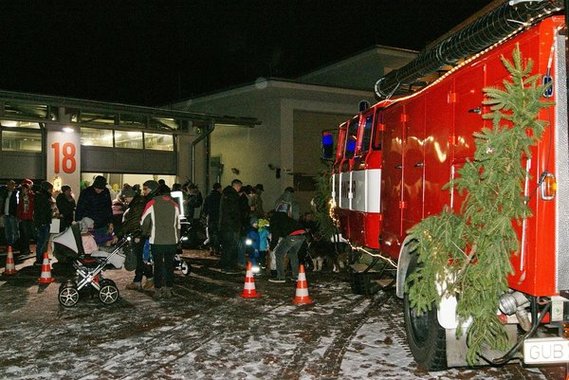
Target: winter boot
x=158, y=293
x=134, y=286
x=149, y=284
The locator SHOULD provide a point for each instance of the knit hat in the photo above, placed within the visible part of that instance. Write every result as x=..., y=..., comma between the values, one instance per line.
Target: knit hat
x=152, y=185
x=47, y=186
x=263, y=223
x=128, y=192
x=100, y=182
x=86, y=224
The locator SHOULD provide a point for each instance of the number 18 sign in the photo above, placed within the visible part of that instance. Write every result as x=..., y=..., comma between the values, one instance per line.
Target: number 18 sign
x=63, y=159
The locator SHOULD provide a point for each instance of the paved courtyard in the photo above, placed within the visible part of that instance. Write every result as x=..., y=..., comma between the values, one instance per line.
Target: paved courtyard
x=208, y=331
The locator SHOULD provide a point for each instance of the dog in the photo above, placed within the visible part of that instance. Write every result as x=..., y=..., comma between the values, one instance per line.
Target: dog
x=321, y=251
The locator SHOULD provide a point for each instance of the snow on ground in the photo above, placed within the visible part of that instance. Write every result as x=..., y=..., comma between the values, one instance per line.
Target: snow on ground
x=208, y=331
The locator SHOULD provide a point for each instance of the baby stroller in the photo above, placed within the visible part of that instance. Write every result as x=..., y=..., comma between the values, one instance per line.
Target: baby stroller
x=182, y=265
x=192, y=234
x=88, y=270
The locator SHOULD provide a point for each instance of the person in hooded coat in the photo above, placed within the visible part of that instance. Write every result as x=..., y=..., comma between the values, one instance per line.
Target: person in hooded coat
x=43, y=213
x=131, y=225
x=230, y=224
x=211, y=211
x=95, y=203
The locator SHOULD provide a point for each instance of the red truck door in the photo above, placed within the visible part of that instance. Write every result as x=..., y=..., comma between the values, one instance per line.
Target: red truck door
x=414, y=158
x=438, y=127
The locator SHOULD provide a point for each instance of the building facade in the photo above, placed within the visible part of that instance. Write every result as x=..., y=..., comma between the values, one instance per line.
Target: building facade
x=284, y=150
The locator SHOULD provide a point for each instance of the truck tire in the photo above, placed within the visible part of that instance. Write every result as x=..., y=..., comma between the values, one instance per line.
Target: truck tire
x=426, y=337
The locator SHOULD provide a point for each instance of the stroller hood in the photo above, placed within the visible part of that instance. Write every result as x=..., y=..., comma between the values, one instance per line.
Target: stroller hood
x=69, y=238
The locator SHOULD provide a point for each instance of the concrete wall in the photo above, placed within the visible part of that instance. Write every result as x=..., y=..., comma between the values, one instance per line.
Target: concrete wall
x=308, y=127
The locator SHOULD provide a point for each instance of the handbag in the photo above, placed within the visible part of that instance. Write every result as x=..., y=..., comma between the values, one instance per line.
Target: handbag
x=54, y=226
x=130, y=259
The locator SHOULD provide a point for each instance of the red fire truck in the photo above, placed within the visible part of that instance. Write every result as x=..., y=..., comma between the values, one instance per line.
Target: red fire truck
x=393, y=159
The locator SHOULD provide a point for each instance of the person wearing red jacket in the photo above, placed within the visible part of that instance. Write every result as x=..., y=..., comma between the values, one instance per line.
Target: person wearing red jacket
x=25, y=214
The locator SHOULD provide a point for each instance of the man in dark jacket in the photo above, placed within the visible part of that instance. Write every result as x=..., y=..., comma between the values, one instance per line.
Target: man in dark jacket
x=43, y=213
x=245, y=217
x=287, y=236
x=230, y=226
x=95, y=203
x=211, y=212
x=257, y=202
x=66, y=206
x=9, y=205
x=193, y=202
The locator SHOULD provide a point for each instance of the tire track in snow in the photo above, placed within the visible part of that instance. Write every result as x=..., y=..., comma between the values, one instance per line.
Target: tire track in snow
x=334, y=355
x=329, y=363
x=190, y=344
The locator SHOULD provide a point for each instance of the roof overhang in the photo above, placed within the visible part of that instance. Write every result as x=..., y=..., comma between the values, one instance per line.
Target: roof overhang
x=72, y=111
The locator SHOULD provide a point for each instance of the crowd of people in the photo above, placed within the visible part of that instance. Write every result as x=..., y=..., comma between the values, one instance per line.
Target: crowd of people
x=27, y=212
x=237, y=226
x=238, y=222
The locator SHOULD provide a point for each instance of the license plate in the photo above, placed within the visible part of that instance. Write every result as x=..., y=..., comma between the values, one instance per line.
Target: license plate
x=546, y=350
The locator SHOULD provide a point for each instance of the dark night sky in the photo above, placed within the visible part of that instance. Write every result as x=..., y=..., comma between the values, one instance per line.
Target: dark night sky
x=155, y=52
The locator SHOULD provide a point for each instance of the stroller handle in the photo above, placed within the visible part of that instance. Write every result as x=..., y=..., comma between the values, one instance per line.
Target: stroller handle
x=126, y=239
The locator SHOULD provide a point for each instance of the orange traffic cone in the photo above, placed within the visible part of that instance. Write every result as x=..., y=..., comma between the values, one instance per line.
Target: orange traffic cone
x=10, y=265
x=45, y=277
x=249, y=287
x=301, y=297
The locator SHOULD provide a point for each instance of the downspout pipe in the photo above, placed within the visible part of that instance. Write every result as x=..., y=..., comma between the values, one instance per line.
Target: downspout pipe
x=499, y=23
x=202, y=135
x=566, y=36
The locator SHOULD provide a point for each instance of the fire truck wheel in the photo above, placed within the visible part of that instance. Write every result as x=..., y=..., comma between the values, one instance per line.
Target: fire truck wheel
x=426, y=338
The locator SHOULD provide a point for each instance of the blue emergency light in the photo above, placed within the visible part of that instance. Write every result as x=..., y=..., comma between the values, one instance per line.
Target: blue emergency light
x=327, y=142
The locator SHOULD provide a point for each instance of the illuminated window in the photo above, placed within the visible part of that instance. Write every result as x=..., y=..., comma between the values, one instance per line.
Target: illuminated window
x=351, y=139
x=21, y=141
x=130, y=140
x=19, y=124
x=97, y=137
x=157, y=141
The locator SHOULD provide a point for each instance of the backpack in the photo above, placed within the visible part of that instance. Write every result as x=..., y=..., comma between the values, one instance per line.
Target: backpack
x=284, y=206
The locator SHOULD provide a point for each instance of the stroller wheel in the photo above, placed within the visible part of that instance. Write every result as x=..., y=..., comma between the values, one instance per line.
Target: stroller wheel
x=185, y=267
x=109, y=293
x=68, y=295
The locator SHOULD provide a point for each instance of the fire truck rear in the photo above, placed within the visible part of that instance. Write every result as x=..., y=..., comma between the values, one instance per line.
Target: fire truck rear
x=393, y=159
